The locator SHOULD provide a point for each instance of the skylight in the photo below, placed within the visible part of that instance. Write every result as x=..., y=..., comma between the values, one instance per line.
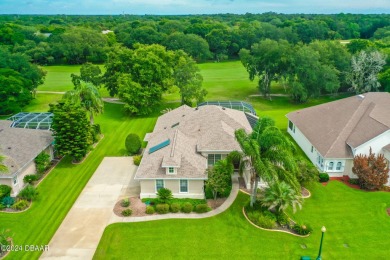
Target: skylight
x=159, y=146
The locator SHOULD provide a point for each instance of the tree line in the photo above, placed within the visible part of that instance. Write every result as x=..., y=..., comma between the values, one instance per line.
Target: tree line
x=302, y=52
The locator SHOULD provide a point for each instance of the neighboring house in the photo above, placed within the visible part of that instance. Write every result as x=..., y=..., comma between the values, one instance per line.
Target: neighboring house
x=332, y=134
x=184, y=143
x=20, y=146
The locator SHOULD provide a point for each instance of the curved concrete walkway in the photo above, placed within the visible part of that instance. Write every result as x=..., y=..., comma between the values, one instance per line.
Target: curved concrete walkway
x=229, y=201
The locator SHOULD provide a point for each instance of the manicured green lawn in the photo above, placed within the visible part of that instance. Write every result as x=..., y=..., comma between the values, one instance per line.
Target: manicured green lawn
x=63, y=185
x=351, y=217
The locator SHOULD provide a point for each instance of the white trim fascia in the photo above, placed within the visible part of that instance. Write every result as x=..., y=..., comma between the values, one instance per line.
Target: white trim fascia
x=215, y=151
x=358, y=147
x=164, y=178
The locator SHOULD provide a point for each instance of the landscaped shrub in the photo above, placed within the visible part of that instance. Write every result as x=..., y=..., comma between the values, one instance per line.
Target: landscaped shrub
x=127, y=212
x=125, y=203
x=354, y=181
x=282, y=219
x=266, y=222
x=7, y=201
x=302, y=229
x=324, y=177
x=269, y=214
x=30, y=178
x=133, y=143
x=96, y=129
x=5, y=191
x=175, y=207
x=28, y=193
x=208, y=193
x=202, y=208
x=149, y=210
x=42, y=162
x=164, y=195
x=137, y=159
x=2, y=206
x=162, y=208
x=187, y=207
x=20, y=205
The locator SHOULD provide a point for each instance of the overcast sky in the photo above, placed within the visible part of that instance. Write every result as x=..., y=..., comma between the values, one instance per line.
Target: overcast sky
x=191, y=6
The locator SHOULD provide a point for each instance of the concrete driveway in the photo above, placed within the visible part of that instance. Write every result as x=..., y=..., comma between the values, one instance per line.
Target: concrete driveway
x=80, y=232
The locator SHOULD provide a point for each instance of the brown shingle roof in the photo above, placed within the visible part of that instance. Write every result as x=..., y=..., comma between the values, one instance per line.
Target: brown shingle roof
x=333, y=127
x=20, y=146
x=207, y=128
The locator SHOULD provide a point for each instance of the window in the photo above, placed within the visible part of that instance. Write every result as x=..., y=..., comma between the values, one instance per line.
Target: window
x=15, y=180
x=213, y=159
x=183, y=185
x=171, y=170
x=330, y=166
x=338, y=166
x=312, y=148
x=159, y=184
x=290, y=125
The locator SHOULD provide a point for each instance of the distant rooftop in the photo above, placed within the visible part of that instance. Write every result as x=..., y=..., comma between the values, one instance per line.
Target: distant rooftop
x=237, y=105
x=32, y=120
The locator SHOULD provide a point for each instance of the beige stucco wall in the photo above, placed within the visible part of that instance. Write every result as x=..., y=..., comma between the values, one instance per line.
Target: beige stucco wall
x=195, y=188
x=29, y=169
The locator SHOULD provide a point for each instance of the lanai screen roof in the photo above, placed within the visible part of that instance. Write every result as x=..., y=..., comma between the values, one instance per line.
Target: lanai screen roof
x=32, y=120
x=237, y=105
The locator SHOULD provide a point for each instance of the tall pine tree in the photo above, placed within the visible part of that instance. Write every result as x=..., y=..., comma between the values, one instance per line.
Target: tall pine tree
x=71, y=130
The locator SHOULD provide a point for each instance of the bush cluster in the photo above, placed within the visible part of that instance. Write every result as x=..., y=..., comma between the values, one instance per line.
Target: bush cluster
x=127, y=212
x=302, y=229
x=324, y=177
x=28, y=193
x=137, y=159
x=261, y=220
x=125, y=203
x=42, y=163
x=5, y=191
x=354, y=181
x=175, y=207
x=149, y=210
x=162, y=208
x=7, y=201
x=202, y=208
x=187, y=207
x=30, y=178
x=20, y=205
x=282, y=219
x=164, y=195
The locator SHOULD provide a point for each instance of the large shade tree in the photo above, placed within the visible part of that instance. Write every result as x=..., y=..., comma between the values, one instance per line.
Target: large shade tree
x=188, y=79
x=365, y=67
x=268, y=60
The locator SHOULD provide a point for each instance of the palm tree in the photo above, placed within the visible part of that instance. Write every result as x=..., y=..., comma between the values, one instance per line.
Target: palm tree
x=277, y=150
x=3, y=167
x=267, y=154
x=250, y=159
x=279, y=196
x=88, y=96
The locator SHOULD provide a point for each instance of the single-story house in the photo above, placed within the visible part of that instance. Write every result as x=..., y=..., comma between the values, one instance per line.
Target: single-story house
x=333, y=133
x=20, y=146
x=184, y=143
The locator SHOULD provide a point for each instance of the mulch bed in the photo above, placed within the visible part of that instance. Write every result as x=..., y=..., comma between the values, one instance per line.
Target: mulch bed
x=138, y=207
x=388, y=211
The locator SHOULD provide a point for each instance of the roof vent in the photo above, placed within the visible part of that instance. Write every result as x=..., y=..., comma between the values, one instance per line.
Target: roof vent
x=9, y=148
x=361, y=97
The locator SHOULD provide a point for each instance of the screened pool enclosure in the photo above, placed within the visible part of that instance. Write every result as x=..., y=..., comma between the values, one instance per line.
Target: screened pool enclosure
x=32, y=120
